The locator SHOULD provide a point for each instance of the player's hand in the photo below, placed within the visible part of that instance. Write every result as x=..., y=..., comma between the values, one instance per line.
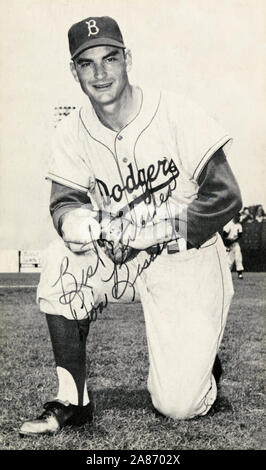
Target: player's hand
x=122, y=232
x=153, y=234
x=80, y=229
x=152, y=225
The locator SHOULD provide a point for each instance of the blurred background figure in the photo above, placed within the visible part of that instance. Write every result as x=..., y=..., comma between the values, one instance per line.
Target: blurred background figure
x=246, y=216
x=231, y=234
x=260, y=214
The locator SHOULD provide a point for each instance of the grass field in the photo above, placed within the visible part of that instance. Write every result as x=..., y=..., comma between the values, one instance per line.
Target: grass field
x=118, y=366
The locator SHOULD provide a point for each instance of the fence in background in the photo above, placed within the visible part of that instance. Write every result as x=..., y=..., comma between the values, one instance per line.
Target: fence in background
x=253, y=246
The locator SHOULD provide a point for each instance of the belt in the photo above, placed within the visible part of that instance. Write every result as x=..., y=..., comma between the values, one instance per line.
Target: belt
x=175, y=246
x=178, y=246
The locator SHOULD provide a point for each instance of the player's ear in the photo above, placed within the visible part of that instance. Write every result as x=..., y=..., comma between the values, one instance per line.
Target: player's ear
x=128, y=59
x=73, y=70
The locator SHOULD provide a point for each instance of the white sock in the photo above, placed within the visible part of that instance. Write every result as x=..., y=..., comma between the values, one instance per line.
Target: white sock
x=67, y=389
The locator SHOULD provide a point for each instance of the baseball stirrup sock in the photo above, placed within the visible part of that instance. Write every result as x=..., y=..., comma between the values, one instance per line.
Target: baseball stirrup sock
x=68, y=339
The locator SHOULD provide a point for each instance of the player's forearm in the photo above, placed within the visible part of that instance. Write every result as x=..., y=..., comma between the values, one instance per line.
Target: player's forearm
x=219, y=199
x=64, y=199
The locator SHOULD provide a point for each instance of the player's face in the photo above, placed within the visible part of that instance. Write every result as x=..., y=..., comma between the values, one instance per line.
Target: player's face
x=102, y=73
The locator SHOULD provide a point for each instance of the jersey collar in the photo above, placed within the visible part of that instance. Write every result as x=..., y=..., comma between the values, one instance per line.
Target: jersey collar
x=132, y=131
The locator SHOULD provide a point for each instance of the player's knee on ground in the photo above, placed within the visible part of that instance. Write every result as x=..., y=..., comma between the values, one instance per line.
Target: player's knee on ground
x=176, y=410
x=186, y=405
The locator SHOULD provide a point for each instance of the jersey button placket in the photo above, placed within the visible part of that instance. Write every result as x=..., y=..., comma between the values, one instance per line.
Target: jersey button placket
x=124, y=159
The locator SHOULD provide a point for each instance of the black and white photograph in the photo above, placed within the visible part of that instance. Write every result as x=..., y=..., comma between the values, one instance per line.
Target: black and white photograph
x=133, y=228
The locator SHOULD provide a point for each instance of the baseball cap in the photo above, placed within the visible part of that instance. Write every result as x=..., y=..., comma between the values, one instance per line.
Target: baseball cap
x=94, y=31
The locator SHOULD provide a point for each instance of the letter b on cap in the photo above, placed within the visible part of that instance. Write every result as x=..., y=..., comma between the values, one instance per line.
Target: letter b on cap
x=92, y=27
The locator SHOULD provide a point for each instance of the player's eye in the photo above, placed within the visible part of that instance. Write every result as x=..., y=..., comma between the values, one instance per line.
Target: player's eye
x=111, y=59
x=84, y=65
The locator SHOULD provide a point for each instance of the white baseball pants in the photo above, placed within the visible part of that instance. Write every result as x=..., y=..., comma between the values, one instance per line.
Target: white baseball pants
x=235, y=256
x=185, y=298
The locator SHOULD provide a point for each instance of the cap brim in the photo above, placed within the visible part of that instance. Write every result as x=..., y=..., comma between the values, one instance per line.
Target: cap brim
x=97, y=42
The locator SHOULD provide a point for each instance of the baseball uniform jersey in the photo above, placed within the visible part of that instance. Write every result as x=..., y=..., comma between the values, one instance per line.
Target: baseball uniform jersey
x=185, y=295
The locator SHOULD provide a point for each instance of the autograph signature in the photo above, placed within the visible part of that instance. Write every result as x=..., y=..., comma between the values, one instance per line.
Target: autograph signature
x=119, y=279
x=75, y=297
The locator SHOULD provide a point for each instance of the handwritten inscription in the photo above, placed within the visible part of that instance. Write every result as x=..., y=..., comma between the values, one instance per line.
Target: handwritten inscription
x=119, y=279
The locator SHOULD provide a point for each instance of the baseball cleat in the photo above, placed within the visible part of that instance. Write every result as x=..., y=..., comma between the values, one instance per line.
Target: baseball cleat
x=217, y=369
x=56, y=415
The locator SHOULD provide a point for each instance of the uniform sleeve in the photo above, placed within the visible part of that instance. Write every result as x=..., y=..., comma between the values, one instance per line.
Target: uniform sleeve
x=217, y=202
x=199, y=137
x=66, y=165
x=62, y=200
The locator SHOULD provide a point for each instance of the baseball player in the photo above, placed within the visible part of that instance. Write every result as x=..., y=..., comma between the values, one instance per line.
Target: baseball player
x=140, y=187
x=231, y=234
